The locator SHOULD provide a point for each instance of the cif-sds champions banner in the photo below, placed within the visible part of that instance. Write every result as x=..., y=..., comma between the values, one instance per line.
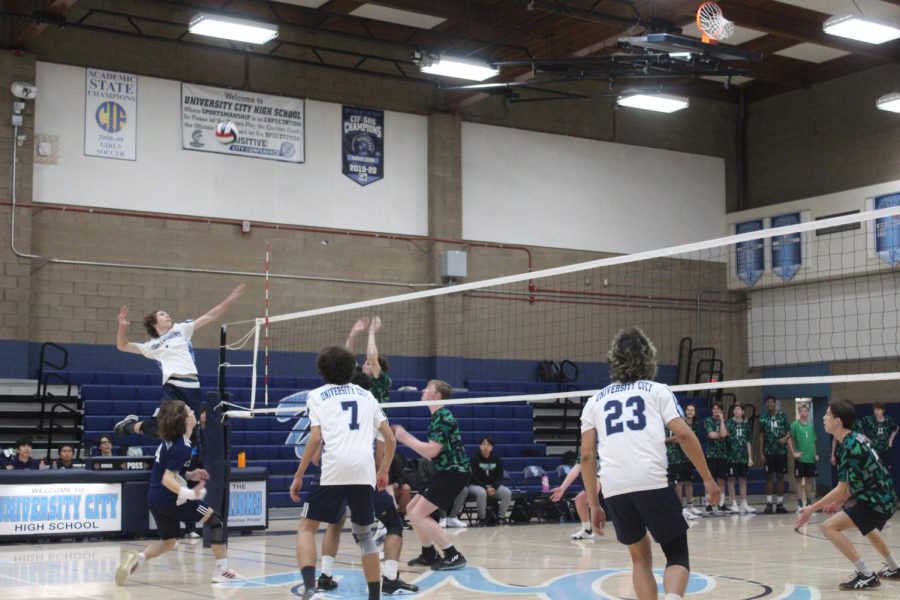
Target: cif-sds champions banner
x=110, y=114
x=887, y=230
x=53, y=508
x=362, y=144
x=246, y=505
x=750, y=259
x=266, y=126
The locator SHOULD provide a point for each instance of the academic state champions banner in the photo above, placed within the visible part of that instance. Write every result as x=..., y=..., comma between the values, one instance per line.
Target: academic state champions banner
x=787, y=251
x=50, y=508
x=887, y=230
x=362, y=144
x=750, y=259
x=110, y=114
x=242, y=123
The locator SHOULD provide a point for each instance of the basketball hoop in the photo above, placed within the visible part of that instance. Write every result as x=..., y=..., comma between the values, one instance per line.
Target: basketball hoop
x=713, y=24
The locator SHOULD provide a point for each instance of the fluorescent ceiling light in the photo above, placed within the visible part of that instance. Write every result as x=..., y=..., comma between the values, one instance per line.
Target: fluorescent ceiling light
x=395, y=15
x=889, y=102
x=230, y=28
x=657, y=102
x=461, y=68
x=861, y=29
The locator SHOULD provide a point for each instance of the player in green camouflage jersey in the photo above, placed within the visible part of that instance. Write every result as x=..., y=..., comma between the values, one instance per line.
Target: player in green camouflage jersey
x=774, y=435
x=881, y=431
x=681, y=470
x=739, y=461
x=375, y=366
x=451, y=465
x=717, y=454
x=861, y=476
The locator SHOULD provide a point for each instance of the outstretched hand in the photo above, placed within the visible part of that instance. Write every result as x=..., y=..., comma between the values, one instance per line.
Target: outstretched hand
x=360, y=325
x=236, y=292
x=123, y=317
x=375, y=326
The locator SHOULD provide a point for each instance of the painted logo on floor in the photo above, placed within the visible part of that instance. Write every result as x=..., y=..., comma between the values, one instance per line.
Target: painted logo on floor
x=581, y=584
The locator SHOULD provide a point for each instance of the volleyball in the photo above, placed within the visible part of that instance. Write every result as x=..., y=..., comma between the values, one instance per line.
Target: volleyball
x=226, y=132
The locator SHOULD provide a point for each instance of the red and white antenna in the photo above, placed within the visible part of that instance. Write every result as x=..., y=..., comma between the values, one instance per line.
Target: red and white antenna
x=266, y=334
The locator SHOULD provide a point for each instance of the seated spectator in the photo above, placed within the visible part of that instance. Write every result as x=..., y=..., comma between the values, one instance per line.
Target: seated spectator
x=104, y=460
x=22, y=459
x=486, y=482
x=401, y=489
x=66, y=458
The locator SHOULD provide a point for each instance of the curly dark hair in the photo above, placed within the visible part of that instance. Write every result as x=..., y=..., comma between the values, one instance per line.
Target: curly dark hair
x=149, y=323
x=170, y=420
x=632, y=356
x=336, y=365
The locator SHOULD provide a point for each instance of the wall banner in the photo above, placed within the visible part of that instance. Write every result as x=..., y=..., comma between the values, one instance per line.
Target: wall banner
x=110, y=114
x=750, y=259
x=37, y=509
x=887, y=230
x=362, y=144
x=242, y=123
x=246, y=505
x=787, y=252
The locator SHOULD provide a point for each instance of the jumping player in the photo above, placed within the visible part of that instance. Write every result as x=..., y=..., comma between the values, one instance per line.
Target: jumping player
x=627, y=422
x=170, y=499
x=861, y=476
x=774, y=435
x=171, y=347
x=343, y=417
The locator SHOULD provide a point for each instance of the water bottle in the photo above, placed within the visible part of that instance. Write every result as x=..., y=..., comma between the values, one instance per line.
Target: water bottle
x=242, y=459
x=545, y=484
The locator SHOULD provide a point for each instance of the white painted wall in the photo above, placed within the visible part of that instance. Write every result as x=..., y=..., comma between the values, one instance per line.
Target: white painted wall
x=541, y=189
x=165, y=178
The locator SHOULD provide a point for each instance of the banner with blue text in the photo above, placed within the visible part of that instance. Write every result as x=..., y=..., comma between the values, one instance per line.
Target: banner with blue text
x=750, y=259
x=110, y=114
x=887, y=230
x=362, y=144
x=787, y=251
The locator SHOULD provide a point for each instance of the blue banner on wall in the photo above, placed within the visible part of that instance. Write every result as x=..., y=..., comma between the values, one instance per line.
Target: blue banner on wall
x=750, y=260
x=787, y=251
x=362, y=145
x=887, y=230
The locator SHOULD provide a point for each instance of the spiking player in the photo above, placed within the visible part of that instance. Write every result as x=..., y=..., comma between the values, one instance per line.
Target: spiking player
x=627, y=422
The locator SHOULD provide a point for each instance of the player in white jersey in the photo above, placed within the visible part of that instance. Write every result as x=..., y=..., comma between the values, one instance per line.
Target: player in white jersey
x=344, y=417
x=626, y=421
x=171, y=348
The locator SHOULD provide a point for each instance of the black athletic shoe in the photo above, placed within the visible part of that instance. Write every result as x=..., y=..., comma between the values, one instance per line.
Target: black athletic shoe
x=389, y=586
x=768, y=510
x=724, y=509
x=861, y=582
x=889, y=573
x=780, y=509
x=326, y=583
x=124, y=427
x=450, y=563
x=424, y=561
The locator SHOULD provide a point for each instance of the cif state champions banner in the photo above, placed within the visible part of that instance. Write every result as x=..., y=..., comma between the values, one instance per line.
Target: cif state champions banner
x=749, y=259
x=110, y=114
x=36, y=509
x=362, y=144
x=787, y=251
x=242, y=123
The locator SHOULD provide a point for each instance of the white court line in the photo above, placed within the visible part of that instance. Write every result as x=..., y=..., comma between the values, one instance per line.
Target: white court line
x=62, y=591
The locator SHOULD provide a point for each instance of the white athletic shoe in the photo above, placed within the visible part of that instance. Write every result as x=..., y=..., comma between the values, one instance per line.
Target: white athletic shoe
x=747, y=508
x=695, y=510
x=687, y=514
x=734, y=507
x=226, y=576
x=380, y=533
x=582, y=534
x=128, y=566
x=454, y=523
x=312, y=594
x=443, y=523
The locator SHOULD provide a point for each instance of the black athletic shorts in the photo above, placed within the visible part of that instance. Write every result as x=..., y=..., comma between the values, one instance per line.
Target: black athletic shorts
x=802, y=469
x=681, y=472
x=658, y=511
x=444, y=487
x=885, y=458
x=719, y=467
x=328, y=504
x=170, y=516
x=866, y=519
x=776, y=463
x=738, y=470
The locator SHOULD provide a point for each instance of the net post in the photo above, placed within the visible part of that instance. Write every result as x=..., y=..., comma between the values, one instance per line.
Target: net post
x=215, y=446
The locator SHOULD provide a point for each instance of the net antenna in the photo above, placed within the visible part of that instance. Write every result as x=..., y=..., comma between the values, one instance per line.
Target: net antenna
x=713, y=24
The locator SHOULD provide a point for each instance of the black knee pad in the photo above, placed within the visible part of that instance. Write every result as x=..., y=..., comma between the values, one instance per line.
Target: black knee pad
x=676, y=551
x=216, y=529
x=391, y=521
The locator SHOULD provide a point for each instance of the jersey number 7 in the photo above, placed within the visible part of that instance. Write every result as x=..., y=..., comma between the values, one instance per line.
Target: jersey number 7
x=354, y=413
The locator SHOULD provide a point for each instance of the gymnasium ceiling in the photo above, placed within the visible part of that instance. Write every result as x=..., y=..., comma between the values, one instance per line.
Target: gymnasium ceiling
x=550, y=49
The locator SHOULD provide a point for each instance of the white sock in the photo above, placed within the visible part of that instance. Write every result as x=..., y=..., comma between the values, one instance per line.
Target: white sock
x=780, y=499
x=891, y=562
x=586, y=525
x=141, y=557
x=327, y=565
x=862, y=567
x=390, y=568
x=672, y=597
x=222, y=564
x=768, y=499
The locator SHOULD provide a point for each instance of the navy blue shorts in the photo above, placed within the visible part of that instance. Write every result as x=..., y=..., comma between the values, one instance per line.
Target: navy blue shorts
x=328, y=504
x=190, y=396
x=658, y=511
x=169, y=517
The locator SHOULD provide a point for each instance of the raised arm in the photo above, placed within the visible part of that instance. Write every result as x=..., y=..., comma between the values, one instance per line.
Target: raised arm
x=122, y=343
x=219, y=309
x=372, y=348
x=358, y=327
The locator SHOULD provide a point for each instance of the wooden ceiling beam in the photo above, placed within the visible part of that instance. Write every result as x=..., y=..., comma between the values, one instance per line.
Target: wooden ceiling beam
x=22, y=33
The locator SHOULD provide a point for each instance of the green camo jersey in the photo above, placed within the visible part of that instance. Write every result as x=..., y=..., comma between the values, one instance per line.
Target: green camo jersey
x=381, y=387
x=674, y=454
x=714, y=448
x=804, y=438
x=870, y=482
x=879, y=434
x=444, y=430
x=738, y=436
x=774, y=427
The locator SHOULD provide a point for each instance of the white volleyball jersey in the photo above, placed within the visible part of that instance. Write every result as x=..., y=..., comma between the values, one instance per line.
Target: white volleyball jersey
x=630, y=420
x=173, y=352
x=349, y=417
